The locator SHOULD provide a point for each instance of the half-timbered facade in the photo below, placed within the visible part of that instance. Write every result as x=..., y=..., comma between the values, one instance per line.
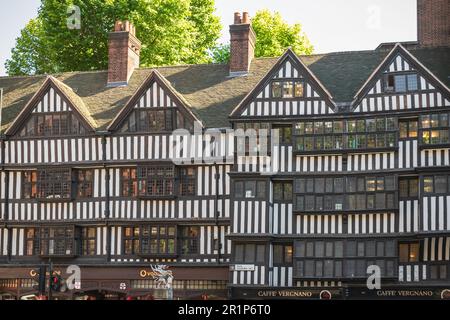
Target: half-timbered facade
x=349, y=169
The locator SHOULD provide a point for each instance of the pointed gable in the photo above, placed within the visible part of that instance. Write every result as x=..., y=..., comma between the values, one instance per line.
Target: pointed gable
x=155, y=92
x=305, y=94
x=419, y=88
x=53, y=97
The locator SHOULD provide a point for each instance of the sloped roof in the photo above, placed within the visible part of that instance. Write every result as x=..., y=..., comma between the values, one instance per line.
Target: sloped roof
x=208, y=89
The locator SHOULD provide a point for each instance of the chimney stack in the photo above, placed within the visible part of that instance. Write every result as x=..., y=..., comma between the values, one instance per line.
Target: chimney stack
x=123, y=53
x=242, y=44
x=433, y=23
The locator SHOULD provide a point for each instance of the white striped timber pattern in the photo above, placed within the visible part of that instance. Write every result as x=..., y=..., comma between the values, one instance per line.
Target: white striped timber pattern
x=427, y=96
x=208, y=252
x=436, y=249
x=436, y=213
x=310, y=104
x=256, y=277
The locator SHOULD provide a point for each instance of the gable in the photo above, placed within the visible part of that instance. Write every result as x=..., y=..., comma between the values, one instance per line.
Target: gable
x=53, y=99
x=309, y=98
x=424, y=91
x=154, y=94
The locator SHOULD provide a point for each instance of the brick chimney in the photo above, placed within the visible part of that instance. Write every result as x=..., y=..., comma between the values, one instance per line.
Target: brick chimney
x=123, y=51
x=433, y=22
x=242, y=46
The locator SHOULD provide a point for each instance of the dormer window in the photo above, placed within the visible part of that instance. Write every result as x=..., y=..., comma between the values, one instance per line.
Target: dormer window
x=401, y=82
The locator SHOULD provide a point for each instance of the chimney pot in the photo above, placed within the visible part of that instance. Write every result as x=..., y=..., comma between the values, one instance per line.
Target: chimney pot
x=237, y=18
x=245, y=18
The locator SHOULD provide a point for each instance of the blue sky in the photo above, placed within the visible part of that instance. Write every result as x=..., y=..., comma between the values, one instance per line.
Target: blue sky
x=331, y=25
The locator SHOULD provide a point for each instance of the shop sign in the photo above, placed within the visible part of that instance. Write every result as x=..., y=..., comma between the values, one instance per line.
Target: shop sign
x=243, y=267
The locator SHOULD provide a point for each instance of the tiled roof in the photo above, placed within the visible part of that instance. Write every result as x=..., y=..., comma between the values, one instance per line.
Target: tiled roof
x=207, y=89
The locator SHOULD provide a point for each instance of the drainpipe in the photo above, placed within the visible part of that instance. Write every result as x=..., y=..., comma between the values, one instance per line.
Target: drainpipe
x=108, y=196
x=216, y=213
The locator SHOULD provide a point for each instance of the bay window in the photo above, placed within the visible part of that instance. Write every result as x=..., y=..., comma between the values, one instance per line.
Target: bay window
x=434, y=129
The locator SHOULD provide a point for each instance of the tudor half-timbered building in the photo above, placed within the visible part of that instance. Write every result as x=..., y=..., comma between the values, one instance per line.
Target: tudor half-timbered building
x=122, y=170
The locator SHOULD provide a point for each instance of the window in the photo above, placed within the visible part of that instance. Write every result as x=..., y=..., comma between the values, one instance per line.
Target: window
x=409, y=187
x=350, y=134
x=409, y=252
x=249, y=253
x=131, y=238
x=149, y=240
x=187, y=181
x=55, y=124
x=357, y=193
x=128, y=182
x=434, y=129
x=287, y=89
x=57, y=241
x=84, y=183
x=31, y=241
x=436, y=184
x=284, y=133
x=54, y=184
x=250, y=189
x=156, y=181
x=153, y=120
x=276, y=89
x=428, y=184
x=29, y=184
x=401, y=82
x=282, y=254
x=157, y=240
x=147, y=181
x=408, y=128
x=88, y=241
x=189, y=239
x=282, y=191
x=255, y=138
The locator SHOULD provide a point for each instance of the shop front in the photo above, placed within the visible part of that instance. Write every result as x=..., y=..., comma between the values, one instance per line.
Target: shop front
x=121, y=283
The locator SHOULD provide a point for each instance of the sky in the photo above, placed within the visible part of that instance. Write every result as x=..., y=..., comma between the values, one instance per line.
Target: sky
x=331, y=25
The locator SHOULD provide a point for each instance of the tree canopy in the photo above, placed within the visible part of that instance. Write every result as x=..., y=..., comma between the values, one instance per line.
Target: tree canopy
x=273, y=37
x=171, y=31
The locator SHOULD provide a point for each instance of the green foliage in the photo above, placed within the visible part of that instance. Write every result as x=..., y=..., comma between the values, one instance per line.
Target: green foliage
x=221, y=53
x=171, y=31
x=273, y=37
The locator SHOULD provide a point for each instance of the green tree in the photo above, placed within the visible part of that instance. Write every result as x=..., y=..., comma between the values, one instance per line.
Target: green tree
x=273, y=37
x=171, y=31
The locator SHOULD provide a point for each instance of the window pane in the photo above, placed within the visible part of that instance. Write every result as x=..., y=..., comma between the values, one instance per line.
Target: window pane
x=400, y=83
x=249, y=253
x=440, y=183
x=278, y=254
x=320, y=185
x=339, y=249
x=298, y=89
x=239, y=253
x=276, y=89
x=250, y=189
x=300, y=249
x=428, y=185
x=414, y=252
x=287, y=89
x=403, y=252
x=260, y=253
x=319, y=249
x=412, y=82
